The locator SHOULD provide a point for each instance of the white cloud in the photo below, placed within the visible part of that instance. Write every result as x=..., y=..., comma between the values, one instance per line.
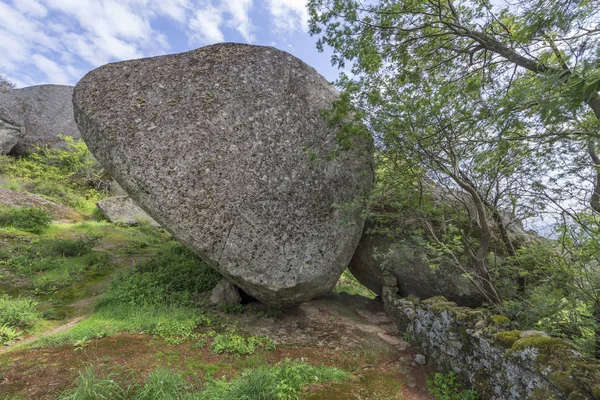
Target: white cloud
x=289, y=15
x=54, y=72
x=239, y=11
x=205, y=26
x=31, y=7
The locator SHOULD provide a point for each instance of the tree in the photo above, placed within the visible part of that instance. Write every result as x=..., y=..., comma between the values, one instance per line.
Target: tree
x=539, y=57
x=500, y=100
x=5, y=84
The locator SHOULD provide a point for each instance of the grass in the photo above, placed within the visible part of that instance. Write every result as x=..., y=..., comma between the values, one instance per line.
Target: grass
x=28, y=219
x=70, y=176
x=155, y=297
x=283, y=381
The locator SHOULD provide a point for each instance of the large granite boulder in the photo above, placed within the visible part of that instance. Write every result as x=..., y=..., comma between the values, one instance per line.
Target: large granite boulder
x=40, y=113
x=226, y=147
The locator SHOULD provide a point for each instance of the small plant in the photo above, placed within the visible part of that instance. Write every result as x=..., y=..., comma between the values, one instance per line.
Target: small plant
x=234, y=343
x=445, y=386
x=20, y=313
x=81, y=344
x=31, y=219
x=407, y=337
x=8, y=335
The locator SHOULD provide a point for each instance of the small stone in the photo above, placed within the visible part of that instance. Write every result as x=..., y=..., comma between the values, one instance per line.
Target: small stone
x=420, y=359
x=225, y=293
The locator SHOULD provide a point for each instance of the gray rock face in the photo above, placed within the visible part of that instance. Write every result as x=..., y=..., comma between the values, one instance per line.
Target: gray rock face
x=225, y=147
x=41, y=113
x=405, y=261
x=123, y=209
x=225, y=293
x=10, y=135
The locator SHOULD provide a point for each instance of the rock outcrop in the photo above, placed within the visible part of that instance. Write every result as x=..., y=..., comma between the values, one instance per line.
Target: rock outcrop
x=13, y=198
x=226, y=147
x=486, y=353
x=397, y=242
x=40, y=113
x=122, y=209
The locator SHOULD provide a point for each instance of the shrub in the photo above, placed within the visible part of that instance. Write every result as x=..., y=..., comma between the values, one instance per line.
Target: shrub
x=30, y=219
x=67, y=247
x=445, y=386
x=19, y=313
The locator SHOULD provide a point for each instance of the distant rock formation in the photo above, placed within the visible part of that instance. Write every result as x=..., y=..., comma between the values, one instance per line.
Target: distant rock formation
x=36, y=115
x=122, y=209
x=226, y=147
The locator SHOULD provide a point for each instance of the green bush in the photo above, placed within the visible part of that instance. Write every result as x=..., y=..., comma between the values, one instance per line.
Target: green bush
x=57, y=247
x=445, y=386
x=30, y=219
x=19, y=313
x=172, y=277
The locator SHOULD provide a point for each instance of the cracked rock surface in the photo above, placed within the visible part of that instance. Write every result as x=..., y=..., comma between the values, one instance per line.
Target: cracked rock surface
x=226, y=147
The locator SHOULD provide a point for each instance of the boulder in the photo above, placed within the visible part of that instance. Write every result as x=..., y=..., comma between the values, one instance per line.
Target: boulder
x=225, y=293
x=40, y=114
x=122, y=209
x=394, y=243
x=226, y=147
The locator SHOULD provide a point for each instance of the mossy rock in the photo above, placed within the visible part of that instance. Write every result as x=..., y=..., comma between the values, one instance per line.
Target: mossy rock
x=500, y=320
x=547, y=346
x=507, y=338
x=439, y=303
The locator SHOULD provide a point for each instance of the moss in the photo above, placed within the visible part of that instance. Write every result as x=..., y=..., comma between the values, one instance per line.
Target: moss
x=596, y=392
x=549, y=349
x=507, y=338
x=439, y=303
x=563, y=381
x=500, y=320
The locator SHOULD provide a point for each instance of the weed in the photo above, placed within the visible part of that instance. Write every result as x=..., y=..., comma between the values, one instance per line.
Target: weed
x=445, y=386
x=29, y=219
x=90, y=387
x=8, y=335
x=237, y=344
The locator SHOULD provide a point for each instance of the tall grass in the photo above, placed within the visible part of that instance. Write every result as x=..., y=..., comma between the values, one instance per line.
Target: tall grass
x=283, y=381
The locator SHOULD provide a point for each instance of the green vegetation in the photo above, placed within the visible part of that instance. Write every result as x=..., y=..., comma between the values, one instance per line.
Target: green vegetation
x=17, y=315
x=29, y=219
x=234, y=343
x=493, y=109
x=445, y=386
x=280, y=382
x=349, y=284
x=69, y=176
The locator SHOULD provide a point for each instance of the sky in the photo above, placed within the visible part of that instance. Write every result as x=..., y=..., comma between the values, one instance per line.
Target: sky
x=59, y=41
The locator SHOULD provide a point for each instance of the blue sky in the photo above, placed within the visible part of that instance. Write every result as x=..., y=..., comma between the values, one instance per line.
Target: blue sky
x=58, y=41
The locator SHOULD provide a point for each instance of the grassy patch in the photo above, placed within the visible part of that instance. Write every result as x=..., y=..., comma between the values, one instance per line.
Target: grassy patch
x=28, y=219
x=70, y=176
x=235, y=343
x=283, y=381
